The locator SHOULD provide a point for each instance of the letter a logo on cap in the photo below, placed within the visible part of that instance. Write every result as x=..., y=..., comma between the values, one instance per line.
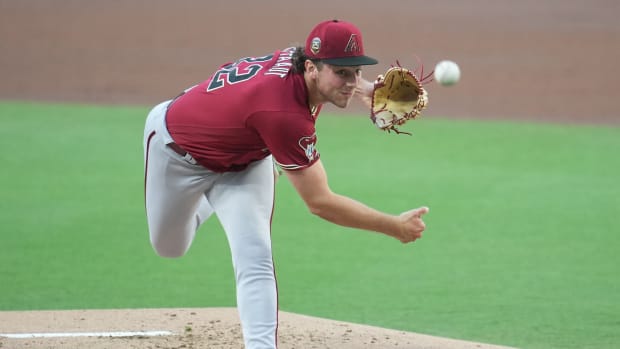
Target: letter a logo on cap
x=352, y=45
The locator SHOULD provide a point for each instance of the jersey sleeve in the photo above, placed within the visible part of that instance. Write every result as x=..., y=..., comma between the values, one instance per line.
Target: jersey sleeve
x=289, y=137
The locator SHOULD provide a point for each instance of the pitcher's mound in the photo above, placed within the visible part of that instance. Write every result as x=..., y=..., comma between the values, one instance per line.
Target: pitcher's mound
x=214, y=328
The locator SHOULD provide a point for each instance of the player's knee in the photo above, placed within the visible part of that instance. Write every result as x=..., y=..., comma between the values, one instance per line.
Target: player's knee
x=167, y=253
x=168, y=249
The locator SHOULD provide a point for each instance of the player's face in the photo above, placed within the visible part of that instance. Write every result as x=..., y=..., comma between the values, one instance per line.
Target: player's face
x=336, y=84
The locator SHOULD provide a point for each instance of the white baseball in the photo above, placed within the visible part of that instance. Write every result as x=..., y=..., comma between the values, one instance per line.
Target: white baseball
x=447, y=73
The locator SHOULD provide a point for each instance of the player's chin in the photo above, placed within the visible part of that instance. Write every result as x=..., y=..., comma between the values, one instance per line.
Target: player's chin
x=343, y=100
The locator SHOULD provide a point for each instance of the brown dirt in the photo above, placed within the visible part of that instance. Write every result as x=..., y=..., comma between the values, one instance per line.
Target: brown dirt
x=546, y=60
x=214, y=328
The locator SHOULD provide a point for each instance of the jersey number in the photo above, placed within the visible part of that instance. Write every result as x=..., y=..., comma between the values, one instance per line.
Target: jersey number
x=242, y=70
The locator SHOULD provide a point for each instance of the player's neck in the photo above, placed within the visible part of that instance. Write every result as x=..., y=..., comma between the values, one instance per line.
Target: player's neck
x=314, y=97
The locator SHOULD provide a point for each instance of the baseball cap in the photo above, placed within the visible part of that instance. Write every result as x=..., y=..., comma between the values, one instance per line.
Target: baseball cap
x=337, y=43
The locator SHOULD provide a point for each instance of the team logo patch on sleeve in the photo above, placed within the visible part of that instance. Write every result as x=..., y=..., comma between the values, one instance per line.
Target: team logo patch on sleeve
x=308, y=144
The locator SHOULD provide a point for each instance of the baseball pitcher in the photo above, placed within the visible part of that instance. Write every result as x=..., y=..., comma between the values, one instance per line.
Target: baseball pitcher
x=212, y=149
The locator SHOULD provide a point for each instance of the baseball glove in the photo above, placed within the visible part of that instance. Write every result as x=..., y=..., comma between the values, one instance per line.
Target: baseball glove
x=398, y=96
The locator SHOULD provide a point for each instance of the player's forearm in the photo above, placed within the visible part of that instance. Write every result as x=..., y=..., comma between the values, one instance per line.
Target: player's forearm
x=347, y=212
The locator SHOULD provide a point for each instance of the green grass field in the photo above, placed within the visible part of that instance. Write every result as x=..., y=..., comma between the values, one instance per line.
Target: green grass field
x=521, y=247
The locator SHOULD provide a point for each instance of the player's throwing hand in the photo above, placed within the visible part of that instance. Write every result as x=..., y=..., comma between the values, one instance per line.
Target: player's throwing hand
x=412, y=225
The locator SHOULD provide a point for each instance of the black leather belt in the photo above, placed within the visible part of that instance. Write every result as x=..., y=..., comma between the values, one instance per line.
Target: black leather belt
x=177, y=149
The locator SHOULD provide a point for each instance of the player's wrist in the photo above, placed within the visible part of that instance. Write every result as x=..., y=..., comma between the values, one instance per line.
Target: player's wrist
x=394, y=226
x=366, y=87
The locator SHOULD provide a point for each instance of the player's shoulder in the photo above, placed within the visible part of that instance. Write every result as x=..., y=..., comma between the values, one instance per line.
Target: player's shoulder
x=281, y=63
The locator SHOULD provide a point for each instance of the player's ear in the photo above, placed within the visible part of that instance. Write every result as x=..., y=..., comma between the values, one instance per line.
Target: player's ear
x=311, y=68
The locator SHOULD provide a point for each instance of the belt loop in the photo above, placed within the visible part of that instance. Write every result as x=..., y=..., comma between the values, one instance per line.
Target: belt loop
x=189, y=159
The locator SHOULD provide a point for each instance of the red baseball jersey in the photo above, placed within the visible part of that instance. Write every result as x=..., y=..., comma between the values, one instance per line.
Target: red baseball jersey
x=247, y=110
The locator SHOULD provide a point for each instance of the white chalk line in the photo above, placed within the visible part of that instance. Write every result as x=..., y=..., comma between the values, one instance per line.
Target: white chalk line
x=85, y=334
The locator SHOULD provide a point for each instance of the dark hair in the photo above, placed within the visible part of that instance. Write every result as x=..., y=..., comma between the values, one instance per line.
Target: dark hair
x=299, y=61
